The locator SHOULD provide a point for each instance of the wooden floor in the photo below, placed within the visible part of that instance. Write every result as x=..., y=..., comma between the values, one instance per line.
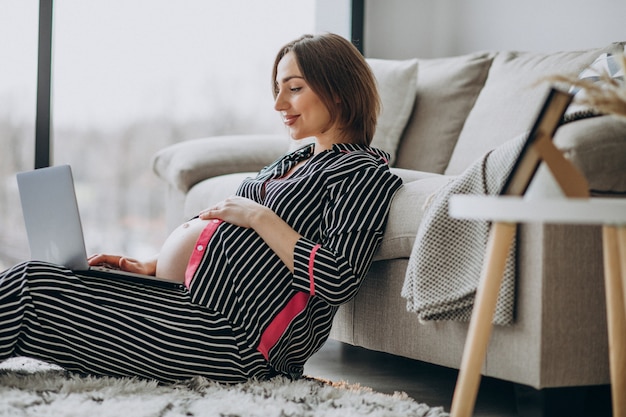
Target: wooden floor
x=425, y=383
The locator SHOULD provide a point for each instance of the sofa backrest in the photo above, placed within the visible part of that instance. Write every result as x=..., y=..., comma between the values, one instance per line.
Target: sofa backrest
x=470, y=104
x=510, y=99
x=446, y=91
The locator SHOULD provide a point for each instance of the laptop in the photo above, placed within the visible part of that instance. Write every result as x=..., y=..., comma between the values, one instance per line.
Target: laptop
x=54, y=229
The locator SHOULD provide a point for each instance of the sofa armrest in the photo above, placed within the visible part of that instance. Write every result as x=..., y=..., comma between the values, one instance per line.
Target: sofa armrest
x=184, y=164
x=597, y=146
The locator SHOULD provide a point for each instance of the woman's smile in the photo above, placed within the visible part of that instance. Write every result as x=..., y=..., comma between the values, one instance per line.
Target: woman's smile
x=290, y=119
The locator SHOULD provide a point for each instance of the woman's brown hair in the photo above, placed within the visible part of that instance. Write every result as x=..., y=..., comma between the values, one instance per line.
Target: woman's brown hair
x=337, y=72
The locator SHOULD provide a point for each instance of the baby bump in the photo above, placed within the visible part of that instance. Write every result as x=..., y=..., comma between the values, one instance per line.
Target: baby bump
x=177, y=249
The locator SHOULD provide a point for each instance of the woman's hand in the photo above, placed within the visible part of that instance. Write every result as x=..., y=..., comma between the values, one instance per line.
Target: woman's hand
x=273, y=230
x=124, y=263
x=235, y=210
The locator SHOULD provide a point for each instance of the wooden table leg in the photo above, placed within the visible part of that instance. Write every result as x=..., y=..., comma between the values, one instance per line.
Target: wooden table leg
x=616, y=316
x=621, y=242
x=464, y=399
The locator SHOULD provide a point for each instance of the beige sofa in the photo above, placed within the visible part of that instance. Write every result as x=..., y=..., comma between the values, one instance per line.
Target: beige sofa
x=459, y=108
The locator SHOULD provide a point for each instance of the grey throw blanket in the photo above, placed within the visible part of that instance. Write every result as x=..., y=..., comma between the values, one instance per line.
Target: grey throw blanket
x=447, y=257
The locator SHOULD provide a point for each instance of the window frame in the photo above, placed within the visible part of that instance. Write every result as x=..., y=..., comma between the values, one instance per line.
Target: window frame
x=43, y=144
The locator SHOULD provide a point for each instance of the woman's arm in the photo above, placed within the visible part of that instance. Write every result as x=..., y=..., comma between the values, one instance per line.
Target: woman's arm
x=353, y=227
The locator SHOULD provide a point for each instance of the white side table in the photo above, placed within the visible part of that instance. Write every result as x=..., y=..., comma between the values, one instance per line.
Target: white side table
x=505, y=212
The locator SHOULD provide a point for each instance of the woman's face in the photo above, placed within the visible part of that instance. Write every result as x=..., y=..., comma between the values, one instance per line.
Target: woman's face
x=304, y=114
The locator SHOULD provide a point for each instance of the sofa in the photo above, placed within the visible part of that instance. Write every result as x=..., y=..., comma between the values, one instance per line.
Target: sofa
x=439, y=116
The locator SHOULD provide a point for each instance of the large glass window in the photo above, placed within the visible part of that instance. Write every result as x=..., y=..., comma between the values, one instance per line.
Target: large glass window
x=129, y=78
x=18, y=83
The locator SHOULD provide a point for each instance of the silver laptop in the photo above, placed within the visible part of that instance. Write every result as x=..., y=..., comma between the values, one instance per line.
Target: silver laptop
x=53, y=226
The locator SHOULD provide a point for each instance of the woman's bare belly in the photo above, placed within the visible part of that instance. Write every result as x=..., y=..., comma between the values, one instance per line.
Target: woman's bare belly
x=177, y=250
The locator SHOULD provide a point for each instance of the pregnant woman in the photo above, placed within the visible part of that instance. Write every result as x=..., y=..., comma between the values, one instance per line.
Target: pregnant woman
x=263, y=271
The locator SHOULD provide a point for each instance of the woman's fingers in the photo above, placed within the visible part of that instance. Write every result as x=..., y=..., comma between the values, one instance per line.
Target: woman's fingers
x=123, y=263
x=235, y=210
x=132, y=265
x=103, y=259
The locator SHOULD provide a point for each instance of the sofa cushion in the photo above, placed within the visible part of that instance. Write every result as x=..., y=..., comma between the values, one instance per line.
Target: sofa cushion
x=396, y=85
x=510, y=99
x=405, y=215
x=446, y=91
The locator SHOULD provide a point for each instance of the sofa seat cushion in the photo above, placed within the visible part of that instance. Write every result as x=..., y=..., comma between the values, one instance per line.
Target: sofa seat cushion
x=406, y=213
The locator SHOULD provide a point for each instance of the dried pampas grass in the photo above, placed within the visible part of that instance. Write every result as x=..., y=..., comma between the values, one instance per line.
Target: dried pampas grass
x=606, y=95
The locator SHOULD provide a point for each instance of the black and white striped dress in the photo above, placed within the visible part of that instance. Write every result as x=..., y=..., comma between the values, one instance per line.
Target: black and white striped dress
x=244, y=313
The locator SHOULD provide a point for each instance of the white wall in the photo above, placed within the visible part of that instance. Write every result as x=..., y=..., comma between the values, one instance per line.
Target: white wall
x=435, y=28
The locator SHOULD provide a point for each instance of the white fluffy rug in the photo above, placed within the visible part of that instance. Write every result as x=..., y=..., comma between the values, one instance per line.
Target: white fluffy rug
x=33, y=388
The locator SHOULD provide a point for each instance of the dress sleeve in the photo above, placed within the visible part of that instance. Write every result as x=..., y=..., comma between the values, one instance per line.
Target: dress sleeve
x=354, y=221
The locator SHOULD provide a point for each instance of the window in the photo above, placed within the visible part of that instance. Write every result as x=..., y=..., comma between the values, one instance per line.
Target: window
x=18, y=82
x=129, y=78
